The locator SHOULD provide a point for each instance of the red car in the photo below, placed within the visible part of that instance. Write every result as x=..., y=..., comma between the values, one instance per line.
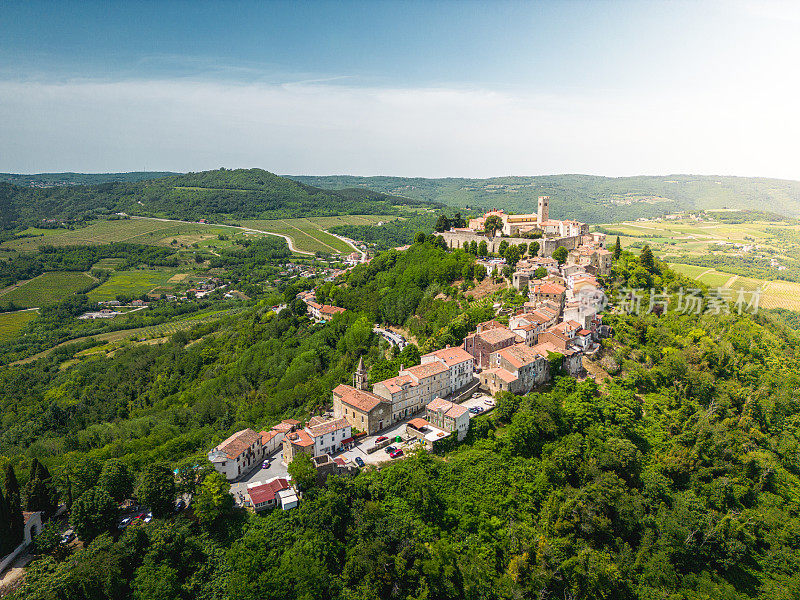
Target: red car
x=396, y=453
x=383, y=438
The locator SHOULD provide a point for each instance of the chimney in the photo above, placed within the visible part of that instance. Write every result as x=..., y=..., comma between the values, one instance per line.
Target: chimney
x=401, y=367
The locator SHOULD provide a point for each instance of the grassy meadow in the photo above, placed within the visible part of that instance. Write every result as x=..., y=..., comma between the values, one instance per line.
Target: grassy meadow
x=131, y=283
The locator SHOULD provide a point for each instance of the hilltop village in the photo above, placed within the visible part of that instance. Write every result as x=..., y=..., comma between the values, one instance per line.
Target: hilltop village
x=557, y=265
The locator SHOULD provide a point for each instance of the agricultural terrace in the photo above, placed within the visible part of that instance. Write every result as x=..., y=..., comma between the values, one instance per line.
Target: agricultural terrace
x=307, y=234
x=47, y=288
x=11, y=323
x=132, y=283
x=690, y=238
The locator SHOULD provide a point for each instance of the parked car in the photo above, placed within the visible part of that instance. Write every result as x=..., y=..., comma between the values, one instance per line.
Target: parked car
x=389, y=449
x=124, y=523
x=139, y=517
x=396, y=453
x=265, y=464
x=67, y=536
x=148, y=517
x=489, y=402
x=383, y=438
x=359, y=461
x=476, y=410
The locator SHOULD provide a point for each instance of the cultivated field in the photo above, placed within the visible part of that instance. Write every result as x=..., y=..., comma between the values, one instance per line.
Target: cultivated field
x=307, y=234
x=130, y=283
x=45, y=289
x=12, y=323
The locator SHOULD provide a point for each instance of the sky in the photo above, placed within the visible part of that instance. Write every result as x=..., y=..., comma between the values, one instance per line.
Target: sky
x=428, y=89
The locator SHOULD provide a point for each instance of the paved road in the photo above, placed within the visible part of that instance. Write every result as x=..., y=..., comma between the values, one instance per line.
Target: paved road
x=391, y=337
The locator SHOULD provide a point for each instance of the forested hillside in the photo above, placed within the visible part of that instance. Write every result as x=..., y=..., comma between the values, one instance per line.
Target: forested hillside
x=588, y=198
x=214, y=195
x=54, y=179
x=677, y=476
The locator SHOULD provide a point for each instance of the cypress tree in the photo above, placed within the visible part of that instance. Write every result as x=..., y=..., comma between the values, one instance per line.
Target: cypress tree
x=16, y=522
x=617, y=249
x=6, y=542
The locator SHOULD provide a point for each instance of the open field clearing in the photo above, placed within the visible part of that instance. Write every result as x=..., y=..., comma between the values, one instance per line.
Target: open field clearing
x=130, y=283
x=12, y=323
x=307, y=234
x=136, y=231
x=46, y=289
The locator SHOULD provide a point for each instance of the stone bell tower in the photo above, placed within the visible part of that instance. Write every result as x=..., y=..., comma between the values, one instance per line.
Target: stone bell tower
x=544, y=209
x=360, y=376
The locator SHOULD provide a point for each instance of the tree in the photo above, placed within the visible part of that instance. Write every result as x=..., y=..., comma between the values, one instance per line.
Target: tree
x=503, y=247
x=493, y=223
x=156, y=489
x=617, y=249
x=508, y=271
x=458, y=220
x=646, y=258
x=480, y=272
x=539, y=273
x=419, y=238
x=560, y=254
x=117, y=479
x=6, y=538
x=14, y=503
x=533, y=249
x=302, y=471
x=483, y=248
x=95, y=512
x=473, y=247
x=85, y=475
x=523, y=248
x=512, y=256
x=48, y=541
x=442, y=223
x=213, y=499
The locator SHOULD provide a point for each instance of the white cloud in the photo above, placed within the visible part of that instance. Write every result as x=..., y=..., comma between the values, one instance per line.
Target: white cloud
x=319, y=128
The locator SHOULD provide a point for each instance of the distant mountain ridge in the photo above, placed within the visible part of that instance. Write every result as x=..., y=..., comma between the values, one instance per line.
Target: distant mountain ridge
x=214, y=195
x=588, y=198
x=69, y=178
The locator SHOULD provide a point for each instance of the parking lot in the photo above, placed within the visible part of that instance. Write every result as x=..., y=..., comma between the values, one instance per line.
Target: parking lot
x=478, y=400
x=258, y=475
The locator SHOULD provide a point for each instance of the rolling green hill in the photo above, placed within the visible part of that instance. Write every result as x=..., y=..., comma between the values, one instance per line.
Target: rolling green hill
x=58, y=179
x=586, y=197
x=213, y=195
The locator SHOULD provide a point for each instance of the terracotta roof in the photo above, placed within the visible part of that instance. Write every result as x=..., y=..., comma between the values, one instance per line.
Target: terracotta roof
x=327, y=309
x=266, y=436
x=520, y=355
x=282, y=427
x=496, y=336
x=299, y=438
x=328, y=427
x=419, y=423
x=315, y=420
x=27, y=515
x=429, y=369
x=267, y=491
x=502, y=374
x=549, y=288
x=239, y=442
x=395, y=384
x=584, y=332
x=359, y=399
x=452, y=356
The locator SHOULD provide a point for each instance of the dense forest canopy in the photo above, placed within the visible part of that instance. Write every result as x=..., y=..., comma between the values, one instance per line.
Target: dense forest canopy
x=213, y=195
x=588, y=198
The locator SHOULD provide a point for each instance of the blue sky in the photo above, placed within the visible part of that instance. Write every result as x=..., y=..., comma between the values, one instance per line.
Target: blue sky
x=405, y=88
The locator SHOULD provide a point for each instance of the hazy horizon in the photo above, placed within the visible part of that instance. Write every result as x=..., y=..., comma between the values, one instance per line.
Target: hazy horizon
x=415, y=89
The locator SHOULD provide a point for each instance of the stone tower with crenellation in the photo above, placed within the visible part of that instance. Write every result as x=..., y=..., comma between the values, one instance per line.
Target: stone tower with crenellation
x=544, y=209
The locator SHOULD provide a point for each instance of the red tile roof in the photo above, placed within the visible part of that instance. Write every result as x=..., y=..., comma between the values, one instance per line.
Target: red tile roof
x=358, y=399
x=502, y=374
x=300, y=438
x=267, y=491
x=452, y=356
x=328, y=427
x=239, y=442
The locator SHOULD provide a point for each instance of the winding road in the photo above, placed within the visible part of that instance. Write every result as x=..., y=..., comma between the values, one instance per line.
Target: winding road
x=245, y=229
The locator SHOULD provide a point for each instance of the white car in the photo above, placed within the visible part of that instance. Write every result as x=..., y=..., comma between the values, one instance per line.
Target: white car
x=148, y=517
x=489, y=402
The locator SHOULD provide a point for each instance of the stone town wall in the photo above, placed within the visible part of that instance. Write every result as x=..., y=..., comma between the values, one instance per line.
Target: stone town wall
x=456, y=239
